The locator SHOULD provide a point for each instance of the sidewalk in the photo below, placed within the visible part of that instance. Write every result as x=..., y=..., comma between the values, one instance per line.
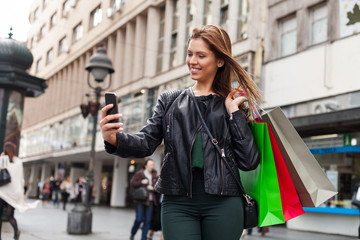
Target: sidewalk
x=114, y=224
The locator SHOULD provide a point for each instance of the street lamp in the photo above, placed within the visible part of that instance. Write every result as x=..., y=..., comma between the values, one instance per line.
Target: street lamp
x=99, y=65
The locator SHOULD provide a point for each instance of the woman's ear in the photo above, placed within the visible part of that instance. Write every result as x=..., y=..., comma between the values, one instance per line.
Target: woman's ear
x=220, y=62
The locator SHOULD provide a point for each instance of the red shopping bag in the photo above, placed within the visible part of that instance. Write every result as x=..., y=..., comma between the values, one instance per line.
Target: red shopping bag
x=291, y=204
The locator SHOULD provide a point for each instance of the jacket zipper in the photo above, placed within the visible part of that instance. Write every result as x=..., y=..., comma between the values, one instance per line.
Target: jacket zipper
x=168, y=125
x=222, y=164
x=236, y=127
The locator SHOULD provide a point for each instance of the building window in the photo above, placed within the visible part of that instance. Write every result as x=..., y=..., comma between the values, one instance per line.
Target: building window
x=116, y=4
x=243, y=19
x=63, y=46
x=39, y=65
x=207, y=12
x=319, y=24
x=77, y=32
x=224, y=14
x=42, y=31
x=36, y=14
x=66, y=8
x=190, y=15
x=160, y=54
x=175, y=26
x=288, y=37
x=173, y=50
x=95, y=17
x=49, y=56
x=53, y=20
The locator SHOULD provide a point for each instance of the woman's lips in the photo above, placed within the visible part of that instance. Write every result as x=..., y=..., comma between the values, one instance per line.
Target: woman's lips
x=194, y=70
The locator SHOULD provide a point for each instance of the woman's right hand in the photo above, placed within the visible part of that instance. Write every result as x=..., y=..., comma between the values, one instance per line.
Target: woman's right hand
x=109, y=130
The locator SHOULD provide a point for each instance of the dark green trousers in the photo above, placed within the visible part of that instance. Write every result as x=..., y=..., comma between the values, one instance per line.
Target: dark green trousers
x=202, y=217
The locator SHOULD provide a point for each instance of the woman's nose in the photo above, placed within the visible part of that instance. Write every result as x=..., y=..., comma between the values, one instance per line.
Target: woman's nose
x=193, y=60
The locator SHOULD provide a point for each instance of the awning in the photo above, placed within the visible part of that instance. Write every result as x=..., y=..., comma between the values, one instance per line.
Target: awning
x=343, y=121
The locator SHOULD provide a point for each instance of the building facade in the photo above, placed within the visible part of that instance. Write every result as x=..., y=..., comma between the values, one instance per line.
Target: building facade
x=310, y=70
x=146, y=41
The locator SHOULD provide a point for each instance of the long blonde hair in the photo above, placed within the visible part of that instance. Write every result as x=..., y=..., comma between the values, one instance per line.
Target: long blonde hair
x=219, y=43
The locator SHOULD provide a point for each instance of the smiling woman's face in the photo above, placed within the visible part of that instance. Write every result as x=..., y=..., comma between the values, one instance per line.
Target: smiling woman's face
x=201, y=61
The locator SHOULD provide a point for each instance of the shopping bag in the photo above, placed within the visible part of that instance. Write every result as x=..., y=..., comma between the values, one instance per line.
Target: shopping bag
x=289, y=198
x=5, y=177
x=262, y=183
x=309, y=179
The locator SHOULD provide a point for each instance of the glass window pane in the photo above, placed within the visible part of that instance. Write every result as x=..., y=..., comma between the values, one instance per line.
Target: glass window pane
x=289, y=25
x=319, y=25
x=319, y=31
x=175, y=23
x=207, y=12
x=243, y=19
x=320, y=13
x=96, y=17
x=224, y=17
x=288, y=43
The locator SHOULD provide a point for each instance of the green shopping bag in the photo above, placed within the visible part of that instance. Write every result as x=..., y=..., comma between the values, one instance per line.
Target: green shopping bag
x=262, y=183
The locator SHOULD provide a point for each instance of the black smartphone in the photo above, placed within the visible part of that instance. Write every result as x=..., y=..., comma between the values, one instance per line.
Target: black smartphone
x=111, y=98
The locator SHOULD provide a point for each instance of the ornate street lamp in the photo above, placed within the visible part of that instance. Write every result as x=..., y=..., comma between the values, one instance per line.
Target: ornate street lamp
x=99, y=65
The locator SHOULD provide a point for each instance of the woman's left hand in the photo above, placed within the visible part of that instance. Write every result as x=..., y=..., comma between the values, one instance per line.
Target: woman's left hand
x=232, y=104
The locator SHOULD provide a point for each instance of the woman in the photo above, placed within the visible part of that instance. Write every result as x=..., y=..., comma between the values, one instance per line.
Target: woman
x=67, y=190
x=46, y=191
x=146, y=177
x=79, y=190
x=155, y=224
x=12, y=194
x=201, y=198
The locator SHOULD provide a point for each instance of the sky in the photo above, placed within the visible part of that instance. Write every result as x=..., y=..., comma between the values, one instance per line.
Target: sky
x=15, y=13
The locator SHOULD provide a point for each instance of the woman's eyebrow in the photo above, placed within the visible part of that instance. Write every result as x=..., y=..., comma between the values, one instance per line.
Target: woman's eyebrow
x=200, y=52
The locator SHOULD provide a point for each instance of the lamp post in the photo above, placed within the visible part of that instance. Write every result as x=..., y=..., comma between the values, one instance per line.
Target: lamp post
x=99, y=65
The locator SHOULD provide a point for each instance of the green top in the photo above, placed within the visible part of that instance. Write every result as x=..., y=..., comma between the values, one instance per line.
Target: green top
x=197, y=152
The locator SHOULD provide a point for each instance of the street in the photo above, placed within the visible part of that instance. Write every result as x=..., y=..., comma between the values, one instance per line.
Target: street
x=48, y=222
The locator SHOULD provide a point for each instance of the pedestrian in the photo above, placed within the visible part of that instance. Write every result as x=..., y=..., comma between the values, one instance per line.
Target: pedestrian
x=51, y=188
x=201, y=197
x=12, y=194
x=67, y=190
x=56, y=189
x=155, y=224
x=79, y=190
x=147, y=176
x=263, y=230
x=46, y=192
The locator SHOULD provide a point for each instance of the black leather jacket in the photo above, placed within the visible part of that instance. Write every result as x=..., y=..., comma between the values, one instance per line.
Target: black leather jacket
x=176, y=121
